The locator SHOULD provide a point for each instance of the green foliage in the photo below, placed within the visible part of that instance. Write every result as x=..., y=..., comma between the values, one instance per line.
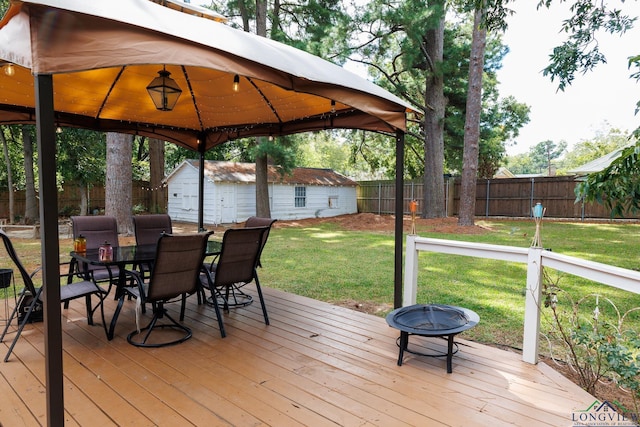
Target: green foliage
x=13, y=136
x=327, y=149
x=390, y=40
x=617, y=186
x=591, y=335
x=544, y=153
x=603, y=143
x=81, y=156
x=580, y=52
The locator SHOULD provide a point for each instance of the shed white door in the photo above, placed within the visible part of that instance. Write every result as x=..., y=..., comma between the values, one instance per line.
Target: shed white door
x=227, y=203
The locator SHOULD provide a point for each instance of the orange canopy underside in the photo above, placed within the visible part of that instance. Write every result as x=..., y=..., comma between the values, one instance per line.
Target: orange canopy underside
x=102, y=58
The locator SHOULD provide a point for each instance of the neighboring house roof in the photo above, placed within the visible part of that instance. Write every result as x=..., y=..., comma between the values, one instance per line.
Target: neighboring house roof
x=598, y=164
x=218, y=171
x=503, y=172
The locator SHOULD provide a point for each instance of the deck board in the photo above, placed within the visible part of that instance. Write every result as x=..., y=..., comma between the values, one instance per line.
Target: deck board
x=316, y=364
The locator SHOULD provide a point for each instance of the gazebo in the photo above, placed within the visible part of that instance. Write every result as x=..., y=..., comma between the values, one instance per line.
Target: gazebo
x=146, y=69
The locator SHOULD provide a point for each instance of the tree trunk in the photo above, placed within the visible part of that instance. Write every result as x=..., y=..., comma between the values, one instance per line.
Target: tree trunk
x=84, y=199
x=7, y=160
x=263, y=209
x=31, y=211
x=156, y=175
x=118, y=180
x=262, y=161
x=434, y=125
x=472, y=123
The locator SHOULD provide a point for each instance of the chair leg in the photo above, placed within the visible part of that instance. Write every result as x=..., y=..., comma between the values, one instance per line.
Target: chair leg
x=114, y=319
x=216, y=308
x=264, y=307
x=91, y=310
x=33, y=304
x=87, y=300
x=13, y=315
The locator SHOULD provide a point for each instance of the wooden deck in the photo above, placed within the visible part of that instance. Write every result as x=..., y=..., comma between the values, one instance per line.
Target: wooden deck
x=315, y=365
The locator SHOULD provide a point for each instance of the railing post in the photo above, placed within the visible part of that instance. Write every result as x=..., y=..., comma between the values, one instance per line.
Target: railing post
x=410, y=272
x=532, y=306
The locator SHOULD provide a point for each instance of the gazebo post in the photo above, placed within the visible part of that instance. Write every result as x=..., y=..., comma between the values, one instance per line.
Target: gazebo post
x=201, y=187
x=399, y=211
x=46, y=134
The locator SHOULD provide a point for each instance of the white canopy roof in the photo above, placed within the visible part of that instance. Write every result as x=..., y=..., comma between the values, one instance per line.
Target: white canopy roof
x=103, y=54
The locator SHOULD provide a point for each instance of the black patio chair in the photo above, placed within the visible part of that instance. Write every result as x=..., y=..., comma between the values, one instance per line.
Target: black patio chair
x=174, y=275
x=30, y=301
x=238, y=298
x=148, y=229
x=97, y=230
x=255, y=221
x=236, y=268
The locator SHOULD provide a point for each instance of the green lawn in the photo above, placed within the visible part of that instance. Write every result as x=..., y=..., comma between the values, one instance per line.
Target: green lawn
x=331, y=264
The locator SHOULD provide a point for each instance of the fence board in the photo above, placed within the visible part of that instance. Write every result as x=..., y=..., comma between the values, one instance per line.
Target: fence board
x=509, y=197
x=69, y=199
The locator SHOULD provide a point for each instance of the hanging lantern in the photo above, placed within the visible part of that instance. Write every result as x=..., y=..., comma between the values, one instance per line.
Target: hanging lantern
x=164, y=91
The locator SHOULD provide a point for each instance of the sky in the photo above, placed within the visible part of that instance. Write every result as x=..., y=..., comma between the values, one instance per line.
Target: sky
x=603, y=98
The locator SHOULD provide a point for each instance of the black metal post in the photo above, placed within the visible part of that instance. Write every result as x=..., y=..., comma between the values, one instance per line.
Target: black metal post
x=399, y=211
x=201, y=187
x=46, y=132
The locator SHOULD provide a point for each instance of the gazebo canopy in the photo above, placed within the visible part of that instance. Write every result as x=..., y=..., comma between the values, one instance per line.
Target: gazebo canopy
x=103, y=54
x=87, y=63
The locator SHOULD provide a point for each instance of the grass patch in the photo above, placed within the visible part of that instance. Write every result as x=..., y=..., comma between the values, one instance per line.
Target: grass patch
x=331, y=264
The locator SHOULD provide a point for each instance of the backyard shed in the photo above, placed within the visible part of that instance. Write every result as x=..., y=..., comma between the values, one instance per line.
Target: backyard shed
x=230, y=192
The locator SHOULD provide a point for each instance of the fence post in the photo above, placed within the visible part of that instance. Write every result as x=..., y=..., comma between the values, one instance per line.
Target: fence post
x=379, y=197
x=486, y=208
x=531, y=336
x=532, y=194
x=410, y=272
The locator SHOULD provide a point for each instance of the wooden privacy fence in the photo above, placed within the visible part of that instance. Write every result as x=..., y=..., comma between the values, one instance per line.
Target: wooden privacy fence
x=69, y=199
x=509, y=197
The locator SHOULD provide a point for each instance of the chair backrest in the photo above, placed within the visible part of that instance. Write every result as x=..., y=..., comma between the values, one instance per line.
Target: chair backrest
x=255, y=221
x=26, y=278
x=96, y=229
x=149, y=228
x=239, y=255
x=176, y=269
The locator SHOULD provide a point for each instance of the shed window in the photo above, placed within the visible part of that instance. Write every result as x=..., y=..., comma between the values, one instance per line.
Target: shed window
x=333, y=197
x=300, y=197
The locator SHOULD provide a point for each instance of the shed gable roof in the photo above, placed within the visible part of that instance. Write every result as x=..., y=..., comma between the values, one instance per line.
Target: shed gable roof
x=219, y=171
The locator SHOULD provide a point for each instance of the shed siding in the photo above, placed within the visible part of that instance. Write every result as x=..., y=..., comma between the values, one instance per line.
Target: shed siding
x=321, y=201
x=183, y=185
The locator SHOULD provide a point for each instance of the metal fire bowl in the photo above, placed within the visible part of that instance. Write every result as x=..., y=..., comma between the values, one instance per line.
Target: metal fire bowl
x=432, y=320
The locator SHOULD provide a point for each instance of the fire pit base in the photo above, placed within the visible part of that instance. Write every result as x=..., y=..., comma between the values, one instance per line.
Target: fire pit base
x=431, y=320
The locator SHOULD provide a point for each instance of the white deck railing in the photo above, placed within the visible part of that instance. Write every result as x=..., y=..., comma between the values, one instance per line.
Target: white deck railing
x=536, y=258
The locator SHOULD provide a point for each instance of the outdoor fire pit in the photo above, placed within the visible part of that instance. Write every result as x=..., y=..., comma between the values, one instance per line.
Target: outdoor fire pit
x=431, y=320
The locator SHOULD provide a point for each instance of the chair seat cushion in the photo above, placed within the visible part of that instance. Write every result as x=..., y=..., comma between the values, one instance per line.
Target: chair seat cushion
x=102, y=274
x=77, y=289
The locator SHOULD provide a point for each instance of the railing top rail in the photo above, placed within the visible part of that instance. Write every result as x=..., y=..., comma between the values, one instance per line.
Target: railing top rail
x=617, y=277
x=479, y=250
x=621, y=278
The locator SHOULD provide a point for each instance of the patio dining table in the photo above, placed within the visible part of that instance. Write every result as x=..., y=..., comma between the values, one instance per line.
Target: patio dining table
x=123, y=256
